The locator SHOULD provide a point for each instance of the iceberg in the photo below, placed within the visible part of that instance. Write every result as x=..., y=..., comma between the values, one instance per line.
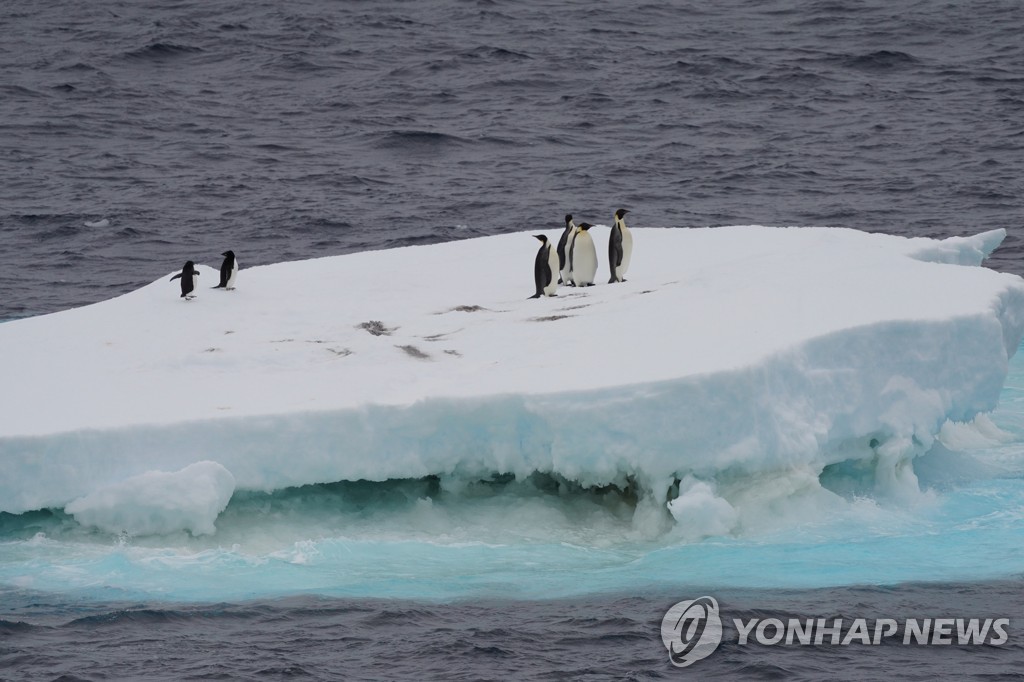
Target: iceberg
x=730, y=355
x=159, y=502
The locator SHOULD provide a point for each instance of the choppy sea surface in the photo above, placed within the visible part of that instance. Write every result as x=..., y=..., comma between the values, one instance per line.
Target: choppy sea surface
x=135, y=136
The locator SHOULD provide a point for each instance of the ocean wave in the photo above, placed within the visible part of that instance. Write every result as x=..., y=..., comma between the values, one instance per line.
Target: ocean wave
x=500, y=54
x=880, y=60
x=416, y=140
x=161, y=51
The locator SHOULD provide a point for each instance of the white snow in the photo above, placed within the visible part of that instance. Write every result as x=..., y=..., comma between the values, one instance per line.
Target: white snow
x=728, y=352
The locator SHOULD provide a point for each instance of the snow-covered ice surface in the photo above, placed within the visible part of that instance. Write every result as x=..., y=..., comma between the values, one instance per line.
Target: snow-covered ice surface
x=744, y=348
x=742, y=382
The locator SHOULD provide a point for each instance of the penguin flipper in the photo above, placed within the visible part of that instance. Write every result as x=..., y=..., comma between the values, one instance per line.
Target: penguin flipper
x=175, y=277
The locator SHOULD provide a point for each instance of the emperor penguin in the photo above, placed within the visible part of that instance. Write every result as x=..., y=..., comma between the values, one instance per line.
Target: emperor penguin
x=563, y=254
x=188, y=276
x=228, y=271
x=566, y=271
x=620, y=247
x=583, y=257
x=545, y=265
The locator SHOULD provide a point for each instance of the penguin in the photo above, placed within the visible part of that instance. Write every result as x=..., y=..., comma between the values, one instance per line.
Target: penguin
x=566, y=268
x=545, y=265
x=563, y=256
x=620, y=248
x=228, y=271
x=583, y=257
x=188, y=276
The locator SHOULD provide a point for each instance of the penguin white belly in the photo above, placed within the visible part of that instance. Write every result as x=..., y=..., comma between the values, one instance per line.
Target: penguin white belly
x=231, y=277
x=550, y=289
x=584, y=263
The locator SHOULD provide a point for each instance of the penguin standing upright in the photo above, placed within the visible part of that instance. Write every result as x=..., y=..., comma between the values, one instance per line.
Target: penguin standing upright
x=545, y=265
x=620, y=247
x=583, y=256
x=188, y=276
x=566, y=271
x=563, y=254
x=228, y=271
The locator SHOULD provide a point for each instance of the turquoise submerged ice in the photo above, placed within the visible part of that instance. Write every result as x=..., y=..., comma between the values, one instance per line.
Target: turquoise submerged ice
x=754, y=407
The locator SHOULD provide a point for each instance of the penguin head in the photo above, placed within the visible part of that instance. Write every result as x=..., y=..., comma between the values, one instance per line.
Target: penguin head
x=568, y=219
x=541, y=237
x=620, y=213
x=189, y=265
x=228, y=254
x=585, y=226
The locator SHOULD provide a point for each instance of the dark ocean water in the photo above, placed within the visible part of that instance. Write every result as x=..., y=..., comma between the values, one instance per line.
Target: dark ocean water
x=289, y=130
x=298, y=129
x=609, y=637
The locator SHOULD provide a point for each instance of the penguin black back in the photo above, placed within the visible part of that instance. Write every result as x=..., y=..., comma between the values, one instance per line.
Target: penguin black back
x=188, y=276
x=616, y=250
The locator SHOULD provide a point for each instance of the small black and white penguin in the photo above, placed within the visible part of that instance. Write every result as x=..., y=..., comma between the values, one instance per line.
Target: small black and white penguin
x=188, y=276
x=583, y=256
x=563, y=255
x=620, y=247
x=228, y=271
x=545, y=265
